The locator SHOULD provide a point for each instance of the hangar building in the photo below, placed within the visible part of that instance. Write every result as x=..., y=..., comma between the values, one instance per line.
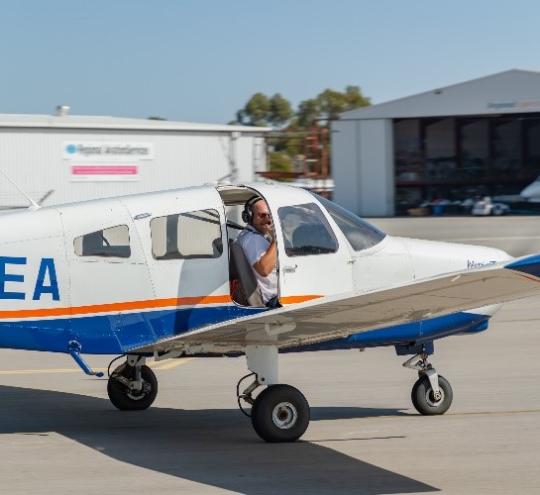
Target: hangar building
x=62, y=158
x=479, y=137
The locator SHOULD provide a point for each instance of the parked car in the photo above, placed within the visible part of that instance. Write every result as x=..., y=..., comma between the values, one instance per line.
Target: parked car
x=486, y=206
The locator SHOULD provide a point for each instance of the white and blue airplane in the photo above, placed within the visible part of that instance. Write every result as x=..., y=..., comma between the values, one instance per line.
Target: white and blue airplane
x=159, y=275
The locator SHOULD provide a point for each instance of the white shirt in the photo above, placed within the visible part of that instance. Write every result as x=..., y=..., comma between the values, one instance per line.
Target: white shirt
x=254, y=244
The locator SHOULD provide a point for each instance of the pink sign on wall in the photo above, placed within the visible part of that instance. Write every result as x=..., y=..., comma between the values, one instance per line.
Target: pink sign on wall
x=114, y=172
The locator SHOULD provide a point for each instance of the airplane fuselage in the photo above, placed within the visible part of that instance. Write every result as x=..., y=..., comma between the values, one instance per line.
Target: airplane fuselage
x=54, y=295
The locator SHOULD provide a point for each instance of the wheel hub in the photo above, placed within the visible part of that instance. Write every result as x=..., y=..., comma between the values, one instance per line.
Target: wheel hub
x=284, y=415
x=434, y=399
x=135, y=394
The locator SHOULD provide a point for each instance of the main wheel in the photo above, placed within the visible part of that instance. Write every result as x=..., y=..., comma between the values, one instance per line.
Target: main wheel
x=424, y=400
x=280, y=413
x=127, y=399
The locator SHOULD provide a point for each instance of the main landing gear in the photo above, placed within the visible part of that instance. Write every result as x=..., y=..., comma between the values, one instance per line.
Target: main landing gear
x=133, y=385
x=280, y=413
x=432, y=393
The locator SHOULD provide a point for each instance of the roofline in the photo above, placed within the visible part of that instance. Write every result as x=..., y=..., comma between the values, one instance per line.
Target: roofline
x=442, y=88
x=54, y=122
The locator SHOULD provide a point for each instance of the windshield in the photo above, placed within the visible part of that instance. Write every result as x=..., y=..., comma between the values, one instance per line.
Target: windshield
x=360, y=234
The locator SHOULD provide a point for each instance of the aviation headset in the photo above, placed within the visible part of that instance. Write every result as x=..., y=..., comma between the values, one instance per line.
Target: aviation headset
x=247, y=214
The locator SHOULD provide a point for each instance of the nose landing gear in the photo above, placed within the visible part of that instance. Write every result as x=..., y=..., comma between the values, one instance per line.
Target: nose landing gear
x=431, y=394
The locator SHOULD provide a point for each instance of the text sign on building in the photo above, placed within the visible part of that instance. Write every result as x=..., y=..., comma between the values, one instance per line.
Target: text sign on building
x=107, y=151
x=106, y=161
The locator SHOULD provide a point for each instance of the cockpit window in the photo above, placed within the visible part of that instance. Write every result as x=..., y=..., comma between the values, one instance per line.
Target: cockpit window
x=306, y=230
x=358, y=232
x=108, y=243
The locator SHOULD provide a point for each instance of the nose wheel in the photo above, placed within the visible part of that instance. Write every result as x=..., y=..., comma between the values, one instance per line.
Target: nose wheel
x=431, y=394
x=428, y=402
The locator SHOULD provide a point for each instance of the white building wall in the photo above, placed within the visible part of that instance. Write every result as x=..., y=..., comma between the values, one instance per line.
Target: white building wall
x=33, y=158
x=376, y=167
x=363, y=166
x=345, y=164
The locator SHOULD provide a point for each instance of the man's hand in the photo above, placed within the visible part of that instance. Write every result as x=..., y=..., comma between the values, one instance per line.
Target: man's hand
x=268, y=261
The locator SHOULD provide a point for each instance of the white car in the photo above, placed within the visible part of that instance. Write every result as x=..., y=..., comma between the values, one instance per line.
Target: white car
x=486, y=206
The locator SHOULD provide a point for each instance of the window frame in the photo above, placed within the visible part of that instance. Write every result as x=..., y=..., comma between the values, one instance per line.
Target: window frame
x=168, y=257
x=323, y=220
x=372, y=228
x=101, y=255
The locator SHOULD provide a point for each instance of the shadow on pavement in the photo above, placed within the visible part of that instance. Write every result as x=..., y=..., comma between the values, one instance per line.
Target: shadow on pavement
x=214, y=447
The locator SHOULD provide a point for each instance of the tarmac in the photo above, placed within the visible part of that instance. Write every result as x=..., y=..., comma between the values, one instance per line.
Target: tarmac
x=60, y=434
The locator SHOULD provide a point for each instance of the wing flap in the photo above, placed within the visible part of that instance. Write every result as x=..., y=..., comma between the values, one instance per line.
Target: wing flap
x=338, y=316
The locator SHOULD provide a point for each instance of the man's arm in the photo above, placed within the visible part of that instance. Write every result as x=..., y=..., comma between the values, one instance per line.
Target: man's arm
x=267, y=262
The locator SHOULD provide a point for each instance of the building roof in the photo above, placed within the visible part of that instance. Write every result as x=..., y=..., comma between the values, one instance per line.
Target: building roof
x=106, y=122
x=511, y=91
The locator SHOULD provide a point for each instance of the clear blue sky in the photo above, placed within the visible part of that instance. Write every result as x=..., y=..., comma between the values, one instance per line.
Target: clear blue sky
x=201, y=60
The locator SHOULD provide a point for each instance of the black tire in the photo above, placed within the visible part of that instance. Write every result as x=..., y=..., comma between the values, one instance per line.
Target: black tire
x=129, y=400
x=280, y=413
x=424, y=401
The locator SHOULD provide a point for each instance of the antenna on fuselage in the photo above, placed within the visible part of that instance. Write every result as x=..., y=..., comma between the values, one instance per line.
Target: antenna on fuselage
x=33, y=204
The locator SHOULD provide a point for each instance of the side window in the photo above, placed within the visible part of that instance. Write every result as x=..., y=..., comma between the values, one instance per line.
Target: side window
x=306, y=230
x=358, y=232
x=196, y=234
x=111, y=242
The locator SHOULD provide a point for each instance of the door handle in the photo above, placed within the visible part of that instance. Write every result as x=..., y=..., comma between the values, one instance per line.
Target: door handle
x=290, y=268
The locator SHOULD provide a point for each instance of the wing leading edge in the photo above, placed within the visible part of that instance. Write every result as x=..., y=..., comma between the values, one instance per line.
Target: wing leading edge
x=342, y=315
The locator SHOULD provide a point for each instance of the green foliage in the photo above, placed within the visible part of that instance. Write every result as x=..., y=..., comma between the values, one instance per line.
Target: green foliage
x=280, y=110
x=260, y=110
x=257, y=110
x=308, y=112
x=280, y=162
x=293, y=127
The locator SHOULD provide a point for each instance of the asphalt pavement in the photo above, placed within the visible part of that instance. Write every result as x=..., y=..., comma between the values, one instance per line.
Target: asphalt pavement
x=59, y=434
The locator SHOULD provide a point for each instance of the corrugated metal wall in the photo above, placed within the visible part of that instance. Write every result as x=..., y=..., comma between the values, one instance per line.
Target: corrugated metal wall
x=33, y=158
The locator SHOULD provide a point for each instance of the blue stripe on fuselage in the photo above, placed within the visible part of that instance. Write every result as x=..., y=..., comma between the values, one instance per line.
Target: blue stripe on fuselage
x=115, y=334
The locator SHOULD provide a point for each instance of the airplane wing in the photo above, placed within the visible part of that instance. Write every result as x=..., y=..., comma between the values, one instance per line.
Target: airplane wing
x=338, y=316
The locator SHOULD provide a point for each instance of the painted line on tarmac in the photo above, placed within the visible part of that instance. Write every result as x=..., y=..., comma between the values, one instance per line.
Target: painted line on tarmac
x=473, y=239
x=494, y=413
x=159, y=366
x=171, y=364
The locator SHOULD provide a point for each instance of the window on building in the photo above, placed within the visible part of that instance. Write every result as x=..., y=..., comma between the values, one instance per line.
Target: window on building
x=532, y=139
x=408, y=150
x=196, y=234
x=441, y=161
x=506, y=147
x=360, y=234
x=111, y=242
x=474, y=143
x=306, y=231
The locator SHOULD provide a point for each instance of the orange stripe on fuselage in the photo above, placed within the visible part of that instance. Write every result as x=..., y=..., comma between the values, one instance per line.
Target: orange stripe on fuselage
x=131, y=305
x=298, y=299
x=110, y=307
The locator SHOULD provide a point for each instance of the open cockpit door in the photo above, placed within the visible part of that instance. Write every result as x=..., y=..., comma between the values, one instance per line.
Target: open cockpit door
x=313, y=256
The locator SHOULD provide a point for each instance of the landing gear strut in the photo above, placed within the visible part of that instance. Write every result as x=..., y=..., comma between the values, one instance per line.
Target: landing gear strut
x=432, y=393
x=133, y=385
x=280, y=413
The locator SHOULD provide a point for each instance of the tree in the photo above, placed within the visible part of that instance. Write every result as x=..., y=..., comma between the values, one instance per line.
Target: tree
x=257, y=110
x=332, y=103
x=308, y=112
x=355, y=98
x=280, y=110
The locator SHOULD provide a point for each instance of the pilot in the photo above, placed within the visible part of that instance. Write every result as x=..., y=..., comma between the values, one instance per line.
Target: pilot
x=259, y=246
